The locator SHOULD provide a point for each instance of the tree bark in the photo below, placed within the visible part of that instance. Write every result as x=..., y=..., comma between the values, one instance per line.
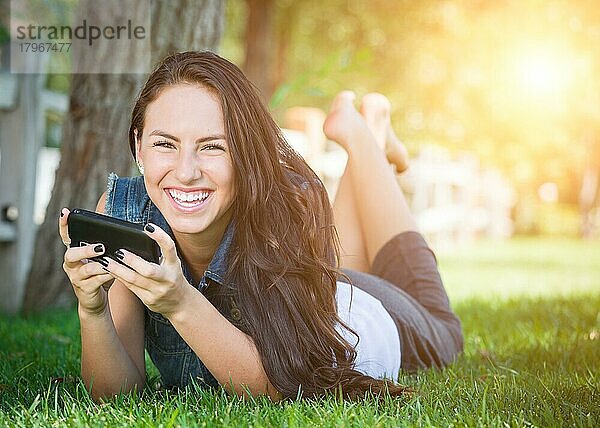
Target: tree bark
x=95, y=134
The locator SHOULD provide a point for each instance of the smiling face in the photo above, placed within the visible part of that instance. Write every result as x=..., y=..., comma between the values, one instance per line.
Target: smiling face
x=188, y=170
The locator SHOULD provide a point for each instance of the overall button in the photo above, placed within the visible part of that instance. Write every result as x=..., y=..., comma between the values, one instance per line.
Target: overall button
x=236, y=314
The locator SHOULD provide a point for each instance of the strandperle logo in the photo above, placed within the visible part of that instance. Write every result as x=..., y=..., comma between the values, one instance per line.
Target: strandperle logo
x=81, y=32
x=80, y=36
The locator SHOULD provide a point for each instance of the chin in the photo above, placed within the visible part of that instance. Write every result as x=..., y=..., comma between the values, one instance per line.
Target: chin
x=187, y=226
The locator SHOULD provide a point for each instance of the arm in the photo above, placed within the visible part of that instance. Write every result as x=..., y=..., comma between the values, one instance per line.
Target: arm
x=112, y=323
x=112, y=345
x=227, y=352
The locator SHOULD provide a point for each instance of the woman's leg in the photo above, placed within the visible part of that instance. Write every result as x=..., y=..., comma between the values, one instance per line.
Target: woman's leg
x=376, y=109
x=353, y=253
x=370, y=207
x=371, y=214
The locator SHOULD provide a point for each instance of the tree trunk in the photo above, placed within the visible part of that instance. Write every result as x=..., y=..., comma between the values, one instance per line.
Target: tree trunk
x=258, y=63
x=95, y=134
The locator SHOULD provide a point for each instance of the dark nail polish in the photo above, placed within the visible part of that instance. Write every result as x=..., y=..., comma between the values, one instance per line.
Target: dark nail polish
x=119, y=254
x=103, y=261
x=98, y=248
x=62, y=214
x=149, y=228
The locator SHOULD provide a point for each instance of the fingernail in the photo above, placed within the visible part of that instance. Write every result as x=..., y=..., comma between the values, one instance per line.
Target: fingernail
x=62, y=214
x=149, y=228
x=103, y=261
x=119, y=254
x=99, y=248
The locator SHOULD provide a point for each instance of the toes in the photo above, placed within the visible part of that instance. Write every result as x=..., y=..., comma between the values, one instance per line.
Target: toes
x=375, y=103
x=341, y=122
x=343, y=98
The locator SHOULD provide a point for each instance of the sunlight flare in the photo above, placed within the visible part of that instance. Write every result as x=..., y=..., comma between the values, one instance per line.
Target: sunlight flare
x=543, y=72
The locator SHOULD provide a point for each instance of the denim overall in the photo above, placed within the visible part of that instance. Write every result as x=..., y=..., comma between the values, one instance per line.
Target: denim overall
x=127, y=199
x=404, y=278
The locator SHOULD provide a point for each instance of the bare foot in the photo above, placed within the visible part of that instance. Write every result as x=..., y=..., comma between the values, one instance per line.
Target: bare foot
x=344, y=123
x=375, y=108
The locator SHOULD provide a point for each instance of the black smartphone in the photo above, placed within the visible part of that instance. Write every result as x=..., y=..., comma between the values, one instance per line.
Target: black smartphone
x=88, y=227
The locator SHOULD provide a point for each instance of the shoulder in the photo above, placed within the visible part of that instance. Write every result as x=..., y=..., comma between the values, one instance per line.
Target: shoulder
x=115, y=182
x=125, y=197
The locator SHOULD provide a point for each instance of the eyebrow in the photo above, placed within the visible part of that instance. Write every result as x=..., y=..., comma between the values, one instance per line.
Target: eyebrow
x=199, y=140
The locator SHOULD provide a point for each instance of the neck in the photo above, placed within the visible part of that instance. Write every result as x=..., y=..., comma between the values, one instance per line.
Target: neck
x=197, y=250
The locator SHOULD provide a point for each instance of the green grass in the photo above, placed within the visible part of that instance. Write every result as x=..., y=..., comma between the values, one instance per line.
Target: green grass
x=530, y=311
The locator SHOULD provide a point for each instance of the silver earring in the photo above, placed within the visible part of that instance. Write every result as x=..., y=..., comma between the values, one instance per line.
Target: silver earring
x=140, y=167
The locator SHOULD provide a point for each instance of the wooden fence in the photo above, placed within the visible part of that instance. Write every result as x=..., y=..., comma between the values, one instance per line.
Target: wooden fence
x=21, y=135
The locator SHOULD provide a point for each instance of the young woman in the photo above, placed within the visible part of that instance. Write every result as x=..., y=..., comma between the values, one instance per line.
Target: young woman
x=249, y=294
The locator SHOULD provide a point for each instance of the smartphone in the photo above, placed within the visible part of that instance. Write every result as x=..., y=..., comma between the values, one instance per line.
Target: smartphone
x=88, y=227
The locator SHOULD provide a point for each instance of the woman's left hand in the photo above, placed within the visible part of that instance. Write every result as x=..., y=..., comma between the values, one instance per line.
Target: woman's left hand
x=159, y=286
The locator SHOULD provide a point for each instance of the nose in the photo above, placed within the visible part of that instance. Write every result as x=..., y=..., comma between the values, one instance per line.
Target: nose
x=188, y=167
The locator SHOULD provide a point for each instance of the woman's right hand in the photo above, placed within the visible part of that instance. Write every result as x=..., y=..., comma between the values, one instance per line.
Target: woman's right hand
x=87, y=277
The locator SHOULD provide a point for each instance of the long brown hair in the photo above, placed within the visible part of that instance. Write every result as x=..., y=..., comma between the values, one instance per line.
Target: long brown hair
x=285, y=249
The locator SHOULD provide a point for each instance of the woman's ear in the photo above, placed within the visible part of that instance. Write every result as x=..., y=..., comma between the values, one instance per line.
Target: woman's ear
x=138, y=151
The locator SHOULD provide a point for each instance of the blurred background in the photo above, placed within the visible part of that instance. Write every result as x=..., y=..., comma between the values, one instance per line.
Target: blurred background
x=502, y=97
x=497, y=101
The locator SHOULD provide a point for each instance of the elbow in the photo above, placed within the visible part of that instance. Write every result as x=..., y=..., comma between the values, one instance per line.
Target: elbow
x=101, y=390
x=269, y=391
x=254, y=387
x=100, y=394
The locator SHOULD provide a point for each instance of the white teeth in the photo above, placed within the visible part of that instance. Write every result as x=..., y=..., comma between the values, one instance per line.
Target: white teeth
x=188, y=196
